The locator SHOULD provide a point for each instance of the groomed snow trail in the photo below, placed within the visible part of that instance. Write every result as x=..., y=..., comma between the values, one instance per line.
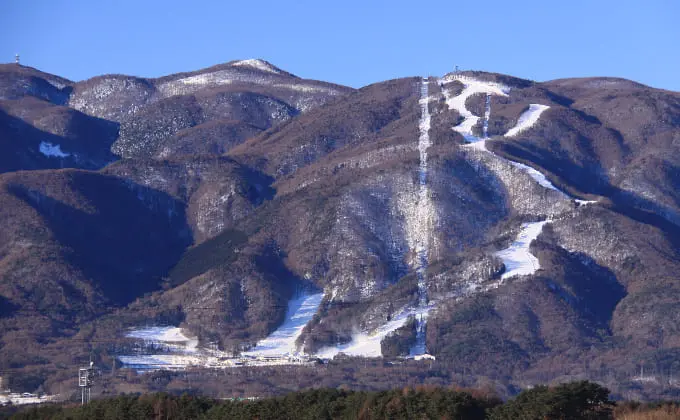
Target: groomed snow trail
x=471, y=87
x=368, y=344
x=517, y=259
x=282, y=341
x=527, y=119
x=536, y=175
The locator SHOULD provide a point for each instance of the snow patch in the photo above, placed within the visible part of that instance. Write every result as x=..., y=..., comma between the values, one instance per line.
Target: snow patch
x=52, y=150
x=257, y=64
x=205, y=79
x=282, y=341
x=517, y=259
x=527, y=119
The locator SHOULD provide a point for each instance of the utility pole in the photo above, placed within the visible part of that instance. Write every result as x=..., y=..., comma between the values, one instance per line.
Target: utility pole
x=85, y=380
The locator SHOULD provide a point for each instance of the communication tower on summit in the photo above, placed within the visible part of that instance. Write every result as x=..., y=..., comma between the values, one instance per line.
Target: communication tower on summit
x=85, y=380
x=16, y=58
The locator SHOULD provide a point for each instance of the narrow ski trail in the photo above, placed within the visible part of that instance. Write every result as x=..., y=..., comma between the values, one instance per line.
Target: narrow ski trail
x=424, y=220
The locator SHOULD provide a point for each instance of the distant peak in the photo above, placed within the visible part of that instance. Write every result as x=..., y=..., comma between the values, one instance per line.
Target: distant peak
x=258, y=64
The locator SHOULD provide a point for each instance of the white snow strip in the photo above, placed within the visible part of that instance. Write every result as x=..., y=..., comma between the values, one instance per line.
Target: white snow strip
x=527, y=119
x=258, y=64
x=367, y=344
x=517, y=259
x=420, y=227
x=161, y=361
x=282, y=341
x=52, y=150
x=537, y=176
x=471, y=87
x=584, y=202
x=165, y=335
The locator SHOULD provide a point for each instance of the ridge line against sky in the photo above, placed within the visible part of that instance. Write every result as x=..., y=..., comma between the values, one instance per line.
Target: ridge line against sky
x=351, y=43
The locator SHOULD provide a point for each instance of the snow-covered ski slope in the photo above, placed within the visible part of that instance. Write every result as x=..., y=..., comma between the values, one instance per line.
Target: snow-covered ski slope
x=517, y=259
x=282, y=341
x=170, y=335
x=367, y=344
x=471, y=87
x=536, y=175
x=173, y=350
x=527, y=119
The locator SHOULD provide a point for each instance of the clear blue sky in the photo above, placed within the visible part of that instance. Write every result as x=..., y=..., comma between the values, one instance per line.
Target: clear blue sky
x=349, y=42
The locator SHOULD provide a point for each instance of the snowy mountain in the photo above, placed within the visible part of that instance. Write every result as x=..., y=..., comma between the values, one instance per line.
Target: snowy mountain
x=526, y=231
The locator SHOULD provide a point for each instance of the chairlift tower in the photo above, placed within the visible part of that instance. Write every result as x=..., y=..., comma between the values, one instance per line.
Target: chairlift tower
x=85, y=380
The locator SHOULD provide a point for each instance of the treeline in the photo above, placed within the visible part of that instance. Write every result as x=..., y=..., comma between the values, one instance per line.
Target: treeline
x=576, y=400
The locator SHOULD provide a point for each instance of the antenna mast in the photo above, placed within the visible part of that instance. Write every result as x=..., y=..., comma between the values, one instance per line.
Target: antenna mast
x=85, y=380
x=16, y=58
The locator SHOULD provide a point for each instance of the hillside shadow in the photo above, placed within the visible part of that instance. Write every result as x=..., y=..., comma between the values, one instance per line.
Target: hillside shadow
x=126, y=241
x=20, y=142
x=596, y=286
x=7, y=308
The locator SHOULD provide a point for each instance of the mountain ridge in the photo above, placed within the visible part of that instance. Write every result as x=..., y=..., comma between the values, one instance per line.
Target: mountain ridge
x=397, y=201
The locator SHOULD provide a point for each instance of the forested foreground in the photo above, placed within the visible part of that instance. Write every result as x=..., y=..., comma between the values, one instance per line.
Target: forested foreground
x=576, y=400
